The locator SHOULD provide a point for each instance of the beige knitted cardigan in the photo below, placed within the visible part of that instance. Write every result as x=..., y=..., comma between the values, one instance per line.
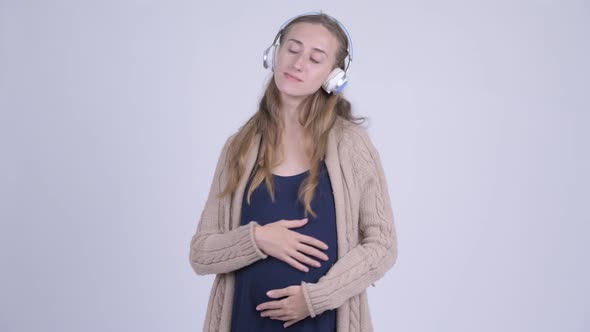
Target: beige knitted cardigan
x=367, y=241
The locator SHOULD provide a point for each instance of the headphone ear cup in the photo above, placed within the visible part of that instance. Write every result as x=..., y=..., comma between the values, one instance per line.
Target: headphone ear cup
x=275, y=51
x=335, y=81
x=267, y=57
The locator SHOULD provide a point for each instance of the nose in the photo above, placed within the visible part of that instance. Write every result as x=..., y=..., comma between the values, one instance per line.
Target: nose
x=298, y=62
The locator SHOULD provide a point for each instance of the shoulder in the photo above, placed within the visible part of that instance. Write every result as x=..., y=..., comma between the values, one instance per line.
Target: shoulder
x=223, y=159
x=229, y=141
x=353, y=137
x=357, y=153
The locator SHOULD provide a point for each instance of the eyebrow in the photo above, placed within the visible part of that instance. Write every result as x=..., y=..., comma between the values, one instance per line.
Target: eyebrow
x=300, y=43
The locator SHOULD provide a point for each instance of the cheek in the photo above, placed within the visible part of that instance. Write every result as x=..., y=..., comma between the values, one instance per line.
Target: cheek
x=319, y=75
x=282, y=58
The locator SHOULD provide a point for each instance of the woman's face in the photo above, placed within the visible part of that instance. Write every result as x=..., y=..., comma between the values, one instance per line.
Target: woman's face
x=306, y=56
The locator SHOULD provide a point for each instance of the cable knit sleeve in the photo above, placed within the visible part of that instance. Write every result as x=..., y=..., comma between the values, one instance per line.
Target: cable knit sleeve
x=212, y=250
x=377, y=249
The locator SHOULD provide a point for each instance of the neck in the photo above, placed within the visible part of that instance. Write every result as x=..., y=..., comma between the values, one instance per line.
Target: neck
x=293, y=132
x=290, y=109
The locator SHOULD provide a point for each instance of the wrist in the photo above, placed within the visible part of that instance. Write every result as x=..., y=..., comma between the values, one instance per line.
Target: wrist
x=257, y=234
x=255, y=238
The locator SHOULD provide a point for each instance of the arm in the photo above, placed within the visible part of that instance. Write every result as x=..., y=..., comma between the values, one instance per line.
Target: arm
x=377, y=250
x=212, y=250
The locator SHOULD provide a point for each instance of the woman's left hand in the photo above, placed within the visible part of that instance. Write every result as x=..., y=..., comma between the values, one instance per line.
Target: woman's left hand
x=290, y=309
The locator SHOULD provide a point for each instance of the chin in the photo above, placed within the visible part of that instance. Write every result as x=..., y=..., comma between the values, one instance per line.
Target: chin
x=290, y=90
x=293, y=93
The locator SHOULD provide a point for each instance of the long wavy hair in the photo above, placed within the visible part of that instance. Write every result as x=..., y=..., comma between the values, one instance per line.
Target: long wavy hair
x=318, y=113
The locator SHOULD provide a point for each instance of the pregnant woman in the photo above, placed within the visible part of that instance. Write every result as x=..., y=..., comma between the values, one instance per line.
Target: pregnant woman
x=298, y=221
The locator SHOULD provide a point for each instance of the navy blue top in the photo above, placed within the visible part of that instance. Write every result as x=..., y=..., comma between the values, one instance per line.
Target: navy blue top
x=253, y=281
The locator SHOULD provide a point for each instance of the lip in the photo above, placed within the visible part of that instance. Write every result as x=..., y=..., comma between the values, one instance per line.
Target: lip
x=293, y=77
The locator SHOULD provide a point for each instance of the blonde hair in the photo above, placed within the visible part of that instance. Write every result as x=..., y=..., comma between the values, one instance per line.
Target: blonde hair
x=318, y=114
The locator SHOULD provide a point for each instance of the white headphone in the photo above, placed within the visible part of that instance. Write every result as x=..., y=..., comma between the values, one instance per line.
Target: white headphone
x=337, y=79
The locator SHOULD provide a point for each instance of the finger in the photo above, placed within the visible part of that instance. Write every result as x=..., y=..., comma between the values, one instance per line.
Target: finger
x=311, y=241
x=276, y=293
x=284, y=318
x=304, y=259
x=273, y=313
x=289, y=260
x=281, y=292
x=269, y=305
x=294, y=223
x=304, y=248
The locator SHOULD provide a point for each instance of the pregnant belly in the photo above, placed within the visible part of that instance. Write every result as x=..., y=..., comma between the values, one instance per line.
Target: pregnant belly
x=271, y=273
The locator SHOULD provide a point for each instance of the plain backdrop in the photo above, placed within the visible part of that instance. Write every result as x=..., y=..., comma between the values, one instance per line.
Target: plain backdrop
x=113, y=115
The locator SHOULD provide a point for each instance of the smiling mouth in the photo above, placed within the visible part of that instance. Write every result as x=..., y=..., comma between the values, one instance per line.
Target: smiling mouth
x=292, y=77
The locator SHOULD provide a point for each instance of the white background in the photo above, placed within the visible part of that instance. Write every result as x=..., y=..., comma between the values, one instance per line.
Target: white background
x=113, y=114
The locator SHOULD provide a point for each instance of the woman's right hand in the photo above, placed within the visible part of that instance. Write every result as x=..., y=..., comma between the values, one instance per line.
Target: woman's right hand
x=277, y=240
